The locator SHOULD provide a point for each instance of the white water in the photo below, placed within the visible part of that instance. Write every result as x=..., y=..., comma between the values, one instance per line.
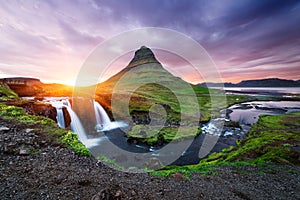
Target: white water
x=60, y=118
x=76, y=125
x=102, y=119
x=60, y=115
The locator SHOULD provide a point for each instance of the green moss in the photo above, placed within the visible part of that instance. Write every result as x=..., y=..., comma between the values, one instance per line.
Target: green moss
x=71, y=140
x=167, y=171
x=155, y=135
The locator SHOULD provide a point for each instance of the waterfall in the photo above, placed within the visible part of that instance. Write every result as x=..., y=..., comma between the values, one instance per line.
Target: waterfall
x=103, y=121
x=102, y=118
x=76, y=125
x=60, y=118
x=60, y=115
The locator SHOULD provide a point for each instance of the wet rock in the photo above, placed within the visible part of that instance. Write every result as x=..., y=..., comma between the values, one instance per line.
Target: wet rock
x=67, y=117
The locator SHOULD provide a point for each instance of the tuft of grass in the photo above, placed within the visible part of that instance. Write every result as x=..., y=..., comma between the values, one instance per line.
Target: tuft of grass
x=71, y=140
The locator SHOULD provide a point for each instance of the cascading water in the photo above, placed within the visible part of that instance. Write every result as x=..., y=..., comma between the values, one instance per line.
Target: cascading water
x=102, y=119
x=60, y=118
x=60, y=115
x=76, y=125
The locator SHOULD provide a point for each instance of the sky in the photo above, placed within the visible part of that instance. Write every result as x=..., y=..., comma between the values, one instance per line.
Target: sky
x=247, y=39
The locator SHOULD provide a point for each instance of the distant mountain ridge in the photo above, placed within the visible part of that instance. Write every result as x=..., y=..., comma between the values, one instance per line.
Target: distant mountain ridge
x=270, y=82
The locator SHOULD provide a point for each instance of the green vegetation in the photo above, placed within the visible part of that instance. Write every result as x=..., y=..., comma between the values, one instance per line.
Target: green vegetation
x=271, y=139
x=148, y=95
x=45, y=127
x=71, y=140
x=6, y=93
x=152, y=135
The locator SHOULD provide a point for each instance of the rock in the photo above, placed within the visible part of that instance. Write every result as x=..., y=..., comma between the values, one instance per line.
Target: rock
x=133, y=193
x=179, y=176
x=28, y=130
x=4, y=128
x=24, y=152
x=142, y=56
x=104, y=194
x=154, y=163
x=118, y=193
x=138, y=157
x=67, y=117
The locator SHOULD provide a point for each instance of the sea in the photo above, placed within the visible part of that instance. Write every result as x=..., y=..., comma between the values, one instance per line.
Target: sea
x=281, y=90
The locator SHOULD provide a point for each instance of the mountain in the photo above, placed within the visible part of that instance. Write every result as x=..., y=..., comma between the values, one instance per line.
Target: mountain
x=143, y=68
x=270, y=82
x=144, y=82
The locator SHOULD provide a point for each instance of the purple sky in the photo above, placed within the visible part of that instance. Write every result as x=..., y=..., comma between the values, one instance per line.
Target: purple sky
x=247, y=39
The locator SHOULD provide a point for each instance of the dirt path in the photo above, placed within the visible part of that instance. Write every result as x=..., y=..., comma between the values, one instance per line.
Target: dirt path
x=31, y=168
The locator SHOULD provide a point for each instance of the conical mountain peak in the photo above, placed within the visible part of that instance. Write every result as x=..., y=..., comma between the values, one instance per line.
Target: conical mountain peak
x=142, y=56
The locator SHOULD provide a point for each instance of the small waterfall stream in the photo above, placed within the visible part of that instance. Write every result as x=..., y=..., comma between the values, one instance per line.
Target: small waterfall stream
x=101, y=116
x=76, y=125
x=60, y=117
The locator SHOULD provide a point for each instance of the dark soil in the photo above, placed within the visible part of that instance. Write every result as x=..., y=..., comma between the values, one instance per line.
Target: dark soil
x=33, y=168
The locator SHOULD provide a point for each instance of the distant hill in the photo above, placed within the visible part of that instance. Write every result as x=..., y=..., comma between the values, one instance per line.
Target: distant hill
x=270, y=82
x=26, y=87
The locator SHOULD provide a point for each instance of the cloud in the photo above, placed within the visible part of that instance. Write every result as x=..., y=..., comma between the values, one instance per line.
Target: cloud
x=57, y=36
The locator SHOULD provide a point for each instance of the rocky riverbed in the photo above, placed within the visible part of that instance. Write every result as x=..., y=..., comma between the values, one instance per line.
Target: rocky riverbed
x=31, y=167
